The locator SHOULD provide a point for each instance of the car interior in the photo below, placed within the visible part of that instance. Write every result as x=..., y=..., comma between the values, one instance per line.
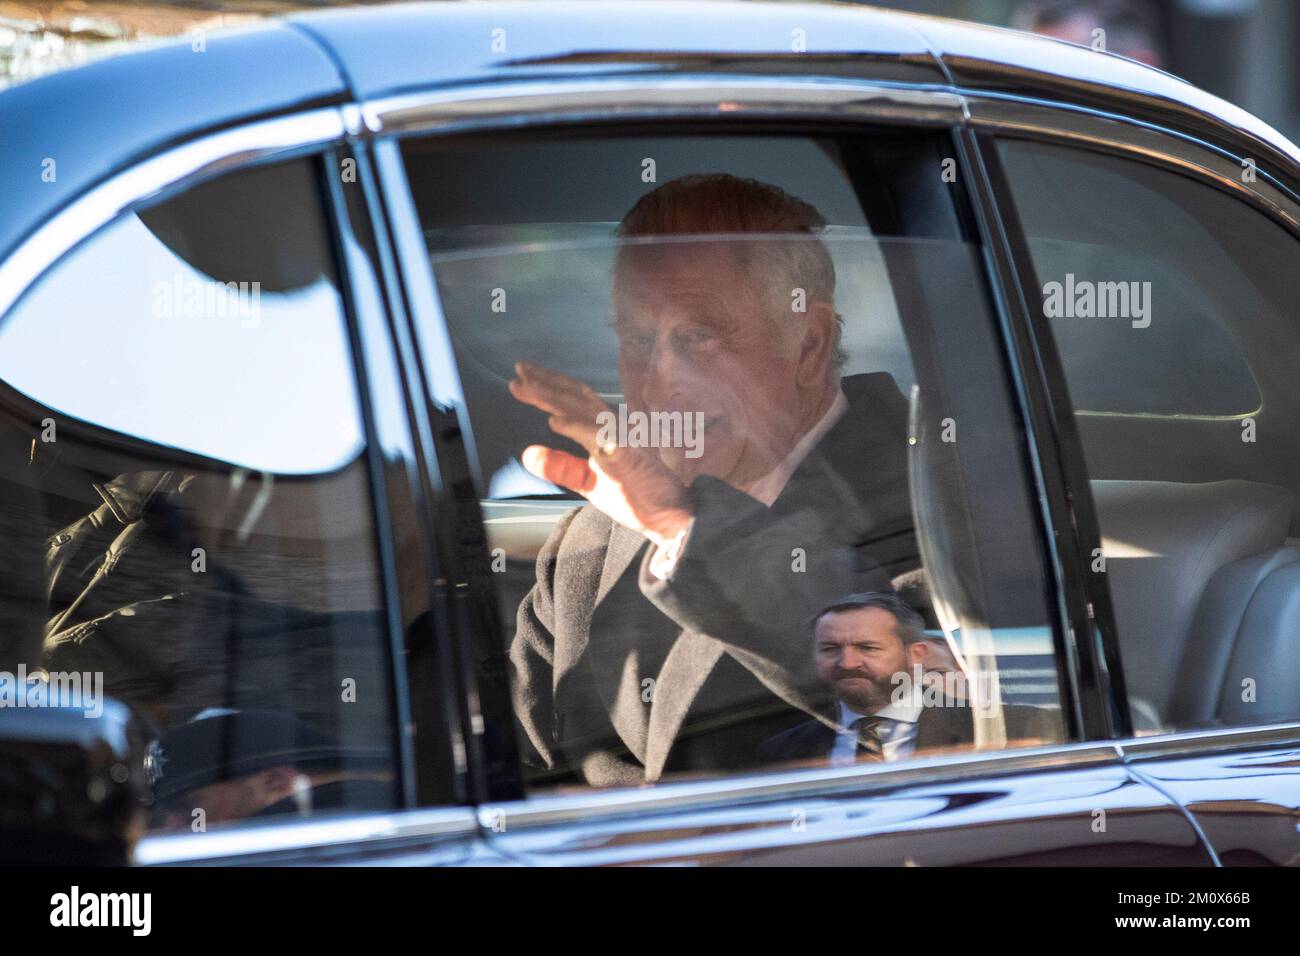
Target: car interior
x=1186, y=425
x=557, y=249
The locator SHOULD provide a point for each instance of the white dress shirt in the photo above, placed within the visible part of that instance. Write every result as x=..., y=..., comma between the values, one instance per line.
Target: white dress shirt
x=897, y=733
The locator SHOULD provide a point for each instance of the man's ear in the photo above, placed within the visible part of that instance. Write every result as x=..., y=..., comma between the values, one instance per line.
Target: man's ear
x=818, y=345
x=916, y=653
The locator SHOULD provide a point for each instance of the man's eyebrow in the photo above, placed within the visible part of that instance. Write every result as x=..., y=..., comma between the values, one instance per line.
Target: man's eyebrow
x=704, y=297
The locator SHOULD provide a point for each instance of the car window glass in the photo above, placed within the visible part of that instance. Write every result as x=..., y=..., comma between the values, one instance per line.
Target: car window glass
x=186, y=504
x=1173, y=308
x=858, y=575
x=194, y=352
x=1074, y=244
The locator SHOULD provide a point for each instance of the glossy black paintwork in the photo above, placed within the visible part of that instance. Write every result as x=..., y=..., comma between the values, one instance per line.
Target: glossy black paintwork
x=1083, y=816
x=417, y=595
x=97, y=119
x=388, y=50
x=1247, y=803
x=1008, y=62
x=71, y=784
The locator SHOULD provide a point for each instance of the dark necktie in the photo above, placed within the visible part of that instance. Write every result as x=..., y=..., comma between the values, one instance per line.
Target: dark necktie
x=870, y=747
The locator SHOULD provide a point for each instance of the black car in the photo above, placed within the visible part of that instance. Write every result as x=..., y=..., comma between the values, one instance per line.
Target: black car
x=279, y=584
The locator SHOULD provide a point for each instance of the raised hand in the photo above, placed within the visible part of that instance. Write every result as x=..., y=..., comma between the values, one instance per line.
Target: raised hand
x=631, y=485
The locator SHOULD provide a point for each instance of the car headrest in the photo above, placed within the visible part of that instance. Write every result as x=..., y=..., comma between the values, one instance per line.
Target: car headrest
x=1241, y=666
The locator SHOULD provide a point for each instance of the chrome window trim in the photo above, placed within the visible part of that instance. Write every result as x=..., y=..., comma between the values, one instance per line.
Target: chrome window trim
x=658, y=96
x=525, y=103
x=1170, y=148
x=830, y=782
x=1193, y=743
x=545, y=810
x=358, y=832
x=175, y=168
x=364, y=832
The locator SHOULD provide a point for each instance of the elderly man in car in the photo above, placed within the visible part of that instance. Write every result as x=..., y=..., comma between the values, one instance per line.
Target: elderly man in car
x=665, y=632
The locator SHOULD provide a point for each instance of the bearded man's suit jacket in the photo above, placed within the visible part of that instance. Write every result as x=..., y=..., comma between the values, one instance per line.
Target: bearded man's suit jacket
x=948, y=724
x=621, y=676
x=936, y=728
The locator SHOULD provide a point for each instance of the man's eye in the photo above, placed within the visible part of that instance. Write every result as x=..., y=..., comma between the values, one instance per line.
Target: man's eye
x=699, y=335
x=636, y=341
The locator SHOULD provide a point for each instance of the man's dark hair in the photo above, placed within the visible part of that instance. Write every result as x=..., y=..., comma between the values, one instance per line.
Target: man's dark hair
x=910, y=624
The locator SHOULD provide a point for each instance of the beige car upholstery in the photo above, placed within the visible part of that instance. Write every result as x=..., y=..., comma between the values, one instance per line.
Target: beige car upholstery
x=1168, y=548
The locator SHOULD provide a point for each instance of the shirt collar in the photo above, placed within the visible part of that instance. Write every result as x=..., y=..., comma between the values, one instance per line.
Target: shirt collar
x=905, y=713
x=770, y=486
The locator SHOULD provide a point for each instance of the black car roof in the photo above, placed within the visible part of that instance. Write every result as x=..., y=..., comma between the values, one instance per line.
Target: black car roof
x=102, y=117
x=393, y=49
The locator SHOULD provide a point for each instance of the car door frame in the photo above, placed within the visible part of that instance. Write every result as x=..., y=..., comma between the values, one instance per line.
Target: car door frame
x=1219, y=165
x=426, y=720
x=541, y=828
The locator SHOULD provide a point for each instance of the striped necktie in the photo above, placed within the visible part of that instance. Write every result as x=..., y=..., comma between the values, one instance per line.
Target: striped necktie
x=870, y=747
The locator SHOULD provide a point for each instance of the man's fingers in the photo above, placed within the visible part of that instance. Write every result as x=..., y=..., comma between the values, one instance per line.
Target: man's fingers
x=559, y=468
x=573, y=409
x=554, y=393
x=583, y=432
x=537, y=397
x=549, y=378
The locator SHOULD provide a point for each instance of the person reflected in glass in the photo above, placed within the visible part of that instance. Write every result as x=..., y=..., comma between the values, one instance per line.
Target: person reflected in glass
x=666, y=630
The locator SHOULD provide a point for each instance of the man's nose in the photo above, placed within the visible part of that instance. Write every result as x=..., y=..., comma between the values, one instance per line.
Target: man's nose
x=850, y=659
x=663, y=374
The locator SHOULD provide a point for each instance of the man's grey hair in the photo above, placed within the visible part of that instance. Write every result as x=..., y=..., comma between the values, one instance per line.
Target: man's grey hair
x=909, y=623
x=722, y=204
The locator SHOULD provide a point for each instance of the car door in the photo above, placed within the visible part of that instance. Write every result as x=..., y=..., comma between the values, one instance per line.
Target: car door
x=217, y=511
x=1183, y=403
x=508, y=240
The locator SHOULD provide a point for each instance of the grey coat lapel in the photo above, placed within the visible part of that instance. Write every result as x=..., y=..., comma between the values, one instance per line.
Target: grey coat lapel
x=687, y=667
x=613, y=648
x=624, y=545
x=648, y=730
x=576, y=603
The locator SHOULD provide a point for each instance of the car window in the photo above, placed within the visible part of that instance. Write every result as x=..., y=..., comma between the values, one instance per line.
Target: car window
x=186, y=504
x=1173, y=308
x=1164, y=371
x=749, y=473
